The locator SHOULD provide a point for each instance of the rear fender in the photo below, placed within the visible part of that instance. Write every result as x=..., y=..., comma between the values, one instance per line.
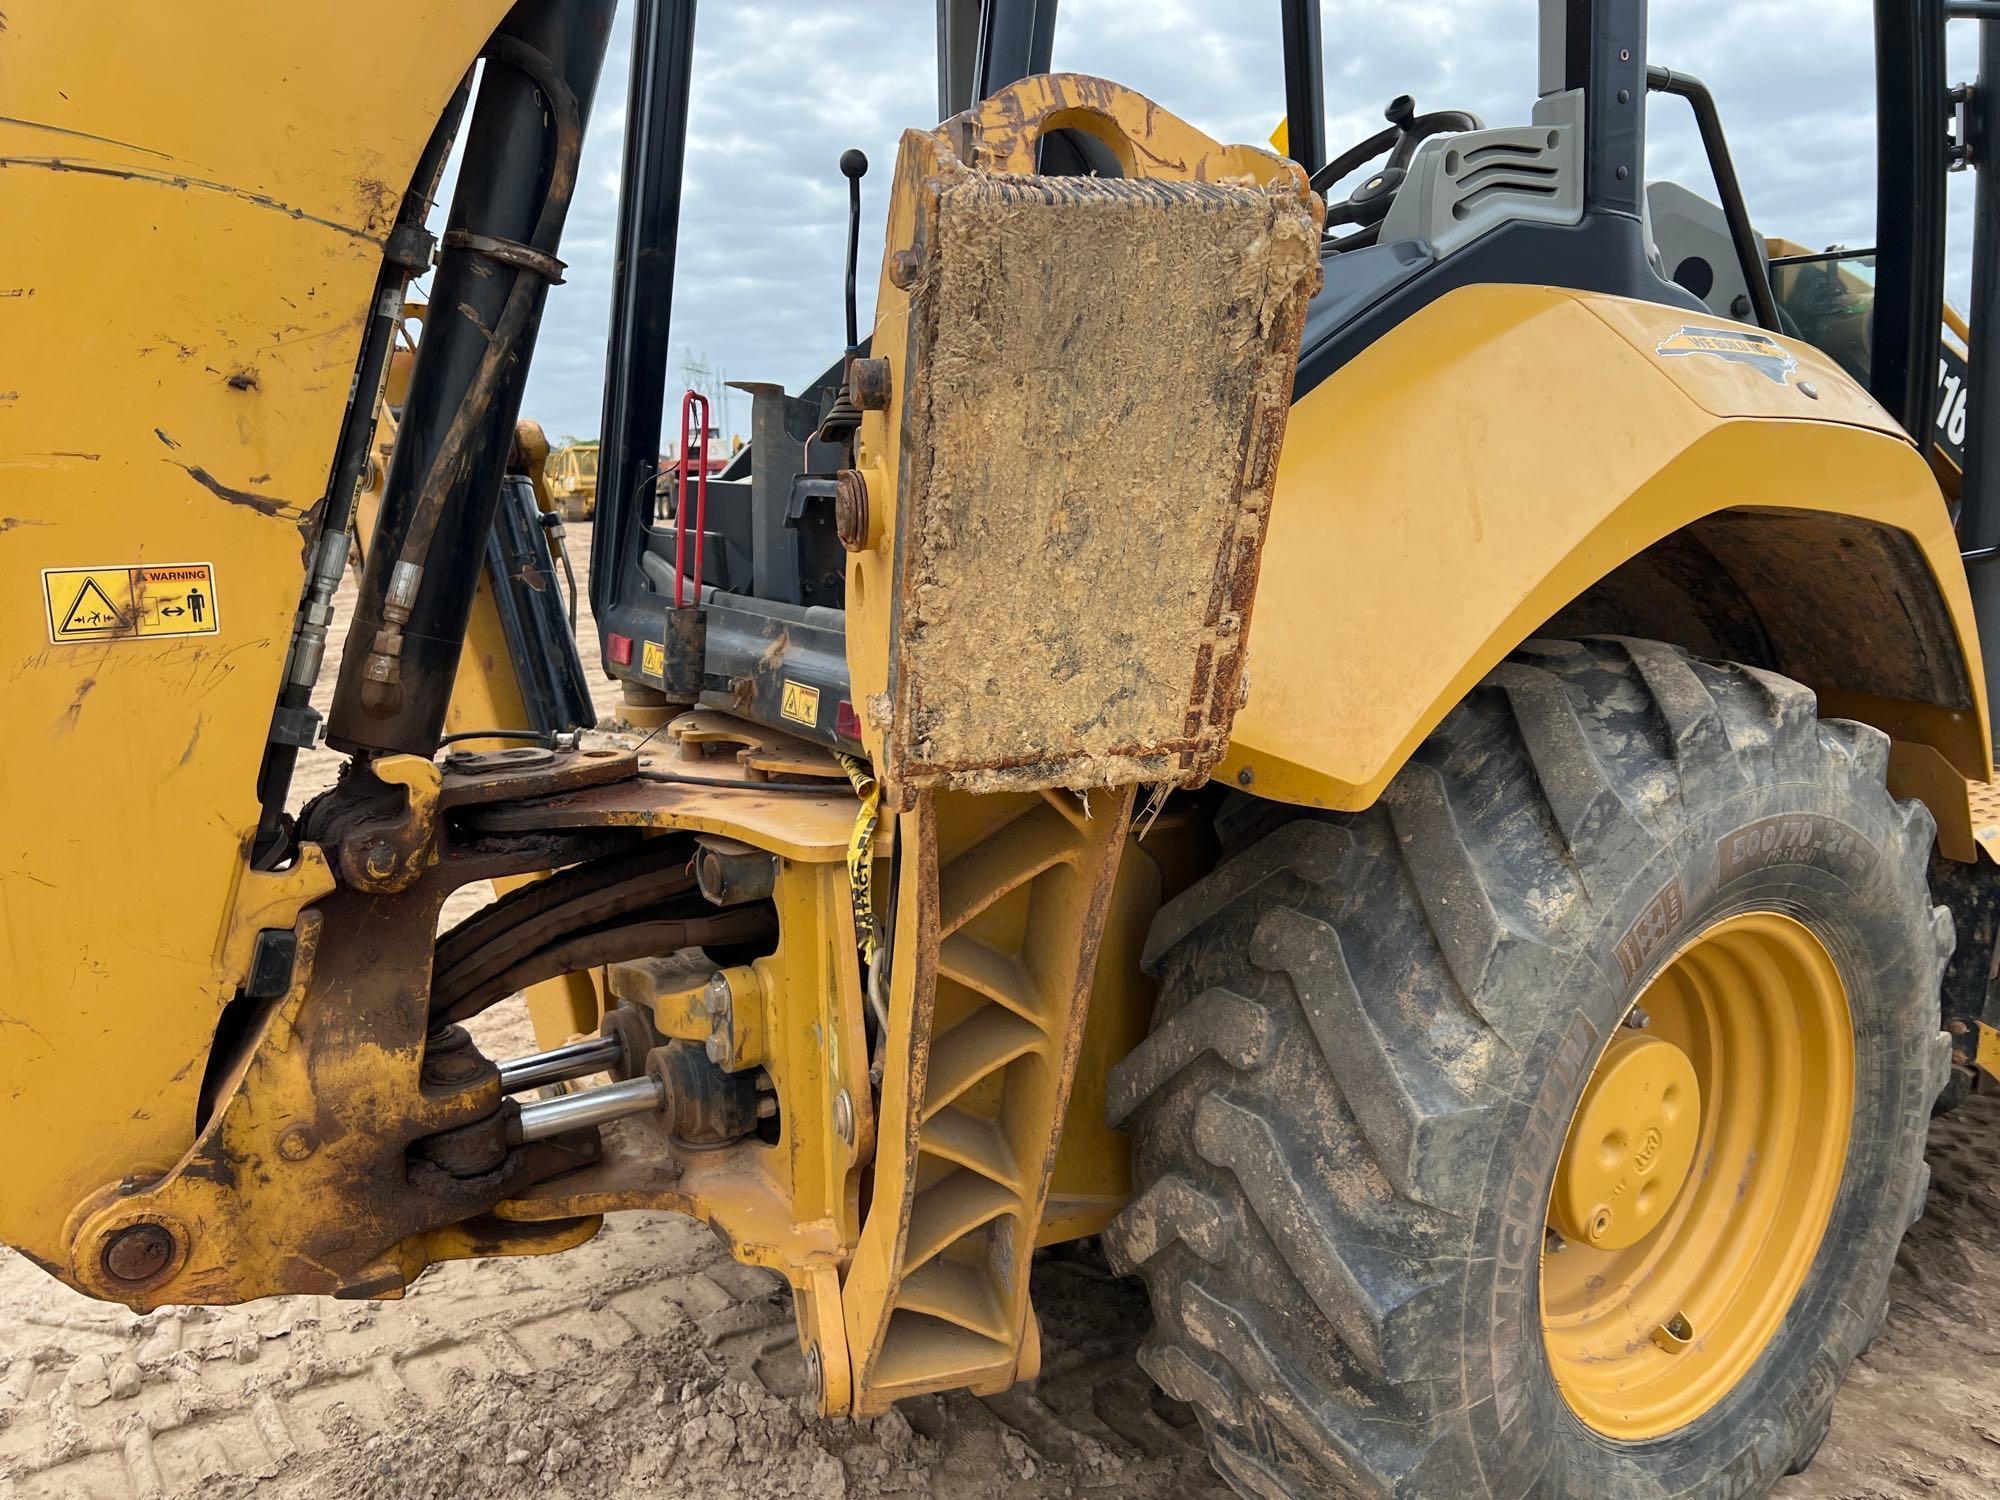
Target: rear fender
x=1514, y=460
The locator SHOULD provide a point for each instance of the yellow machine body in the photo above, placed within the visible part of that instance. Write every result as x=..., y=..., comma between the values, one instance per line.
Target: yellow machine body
x=1466, y=479
x=197, y=214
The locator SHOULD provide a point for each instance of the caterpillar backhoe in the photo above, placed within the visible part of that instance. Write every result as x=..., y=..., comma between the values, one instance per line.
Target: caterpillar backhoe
x=1406, y=756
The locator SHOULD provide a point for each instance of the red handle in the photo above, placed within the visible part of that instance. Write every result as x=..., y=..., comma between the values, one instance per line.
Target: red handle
x=693, y=404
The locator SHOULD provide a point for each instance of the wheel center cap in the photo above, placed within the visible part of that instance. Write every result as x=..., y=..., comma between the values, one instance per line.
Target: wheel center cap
x=1630, y=1144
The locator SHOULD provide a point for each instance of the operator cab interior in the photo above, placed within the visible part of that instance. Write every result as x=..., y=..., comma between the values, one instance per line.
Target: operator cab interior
x=1434, y=201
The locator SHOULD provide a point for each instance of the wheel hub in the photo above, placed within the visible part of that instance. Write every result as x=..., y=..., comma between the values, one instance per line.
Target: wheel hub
x=1698, y=1177
x=1630, y=1146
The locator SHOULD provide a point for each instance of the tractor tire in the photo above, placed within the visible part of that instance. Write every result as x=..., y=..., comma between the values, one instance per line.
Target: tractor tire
x=1353, y=1114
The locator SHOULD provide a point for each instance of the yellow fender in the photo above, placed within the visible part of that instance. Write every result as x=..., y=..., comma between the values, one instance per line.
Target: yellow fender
x=1514, y=461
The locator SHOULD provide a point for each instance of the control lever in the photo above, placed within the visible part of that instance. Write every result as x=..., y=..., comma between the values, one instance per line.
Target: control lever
x=844, y=416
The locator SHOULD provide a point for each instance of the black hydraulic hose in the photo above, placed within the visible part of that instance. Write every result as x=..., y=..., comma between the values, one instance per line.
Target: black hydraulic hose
x=382, y=692
x=1741, y=232
x=408, y=252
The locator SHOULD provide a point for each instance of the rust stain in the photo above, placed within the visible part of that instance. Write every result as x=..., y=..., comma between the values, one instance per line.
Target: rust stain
x=8, y=523
x=160, y=433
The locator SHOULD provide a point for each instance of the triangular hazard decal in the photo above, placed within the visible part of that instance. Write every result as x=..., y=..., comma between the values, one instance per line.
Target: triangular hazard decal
x=93, y=610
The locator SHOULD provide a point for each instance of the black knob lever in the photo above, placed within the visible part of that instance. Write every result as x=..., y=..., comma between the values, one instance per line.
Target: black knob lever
x=853, y=166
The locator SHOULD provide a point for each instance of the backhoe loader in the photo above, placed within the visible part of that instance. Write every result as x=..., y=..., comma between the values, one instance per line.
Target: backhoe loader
x=1405, y=755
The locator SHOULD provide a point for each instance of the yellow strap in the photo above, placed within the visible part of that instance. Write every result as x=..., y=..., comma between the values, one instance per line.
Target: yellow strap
x=861, y=853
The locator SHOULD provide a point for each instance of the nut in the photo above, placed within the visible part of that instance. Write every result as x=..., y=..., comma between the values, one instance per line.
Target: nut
x=139, y=1252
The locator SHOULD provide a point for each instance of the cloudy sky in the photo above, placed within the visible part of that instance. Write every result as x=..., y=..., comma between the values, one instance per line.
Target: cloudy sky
x=782, y=88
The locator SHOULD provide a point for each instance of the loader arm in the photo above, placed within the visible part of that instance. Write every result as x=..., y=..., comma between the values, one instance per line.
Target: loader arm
x=843, y=1003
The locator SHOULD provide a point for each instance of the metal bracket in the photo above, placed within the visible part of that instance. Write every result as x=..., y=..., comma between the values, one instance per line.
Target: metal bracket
x=508, y=253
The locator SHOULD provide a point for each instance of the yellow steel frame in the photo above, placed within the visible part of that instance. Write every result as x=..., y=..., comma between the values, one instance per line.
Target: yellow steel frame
x=196, y=202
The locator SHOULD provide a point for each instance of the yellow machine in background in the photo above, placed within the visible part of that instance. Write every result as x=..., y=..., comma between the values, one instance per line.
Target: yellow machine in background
x=574, y=479
x=1389, y=759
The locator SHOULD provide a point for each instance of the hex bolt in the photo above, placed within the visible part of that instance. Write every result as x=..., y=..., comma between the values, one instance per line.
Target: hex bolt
x=139, y=1252
x=868, y=383
x=717, y=1000
x=1553, y=1243
x=1637, y=1018
x=843, y=1116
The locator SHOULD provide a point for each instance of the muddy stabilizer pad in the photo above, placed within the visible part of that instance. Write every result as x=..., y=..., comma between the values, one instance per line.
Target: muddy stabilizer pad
x=1101, y=372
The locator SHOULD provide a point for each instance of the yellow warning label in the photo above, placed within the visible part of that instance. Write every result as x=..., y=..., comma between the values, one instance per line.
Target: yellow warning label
x=801, y=703
x=131, y=602
x=653, y=659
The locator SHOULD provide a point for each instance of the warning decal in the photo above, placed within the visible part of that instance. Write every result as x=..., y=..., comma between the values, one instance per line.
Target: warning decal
x=800, y=703
x=129, y=602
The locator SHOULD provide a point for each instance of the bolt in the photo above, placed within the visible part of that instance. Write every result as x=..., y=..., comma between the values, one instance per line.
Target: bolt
x=296, y=1143
x=903, y=267
x=1807, y=388
x=815, y=1377
x=139, y=1252
x=1637, y=1019
x=1553, y=1243
x=716, y=1000
x=381, y=861
x=868, y=383
x=1244, y=777
x=453, y=1067
x=843, y=1116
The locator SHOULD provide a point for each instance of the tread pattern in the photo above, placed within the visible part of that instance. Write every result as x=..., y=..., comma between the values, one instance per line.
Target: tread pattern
x=1359, y=992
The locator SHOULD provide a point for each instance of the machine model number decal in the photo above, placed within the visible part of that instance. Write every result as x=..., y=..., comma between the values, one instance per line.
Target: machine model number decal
x=1795, y=839
x=1954, y=377
x=1659, y=921
x=800, y=703
x=129, y=601
x=653, y=659
x=1737, y=346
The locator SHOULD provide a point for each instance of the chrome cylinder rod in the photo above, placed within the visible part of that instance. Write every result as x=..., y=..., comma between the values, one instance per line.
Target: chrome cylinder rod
x=572, y=1060
x=546, y=1117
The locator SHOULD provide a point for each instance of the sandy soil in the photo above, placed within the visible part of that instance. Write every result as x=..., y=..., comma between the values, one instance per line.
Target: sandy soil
x=649, y=1363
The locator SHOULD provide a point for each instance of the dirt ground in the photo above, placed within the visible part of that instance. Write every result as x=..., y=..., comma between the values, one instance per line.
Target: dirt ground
x=648, y=1362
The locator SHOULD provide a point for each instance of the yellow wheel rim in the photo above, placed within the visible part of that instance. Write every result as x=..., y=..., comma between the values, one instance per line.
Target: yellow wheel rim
x=1697, y=1177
